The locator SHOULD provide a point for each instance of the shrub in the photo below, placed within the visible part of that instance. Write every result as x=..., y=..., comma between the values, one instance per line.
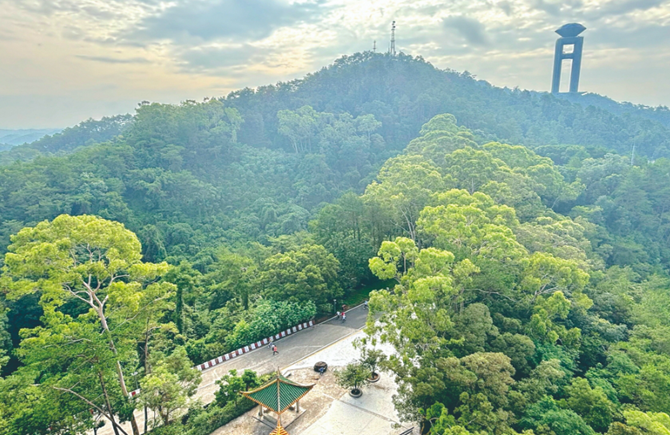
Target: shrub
x=353, y=375
x=269, y=318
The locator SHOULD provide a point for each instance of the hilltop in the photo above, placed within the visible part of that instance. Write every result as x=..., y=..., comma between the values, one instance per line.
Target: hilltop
x=404, y=92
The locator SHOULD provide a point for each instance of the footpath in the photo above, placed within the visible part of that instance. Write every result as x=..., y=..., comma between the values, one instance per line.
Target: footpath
x=292, y=349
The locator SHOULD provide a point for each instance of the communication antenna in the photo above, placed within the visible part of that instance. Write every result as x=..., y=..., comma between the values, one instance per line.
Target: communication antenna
x=393, y=39
x=374, y=46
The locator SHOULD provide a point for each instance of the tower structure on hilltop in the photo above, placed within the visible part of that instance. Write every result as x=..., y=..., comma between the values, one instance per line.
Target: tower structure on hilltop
x=392, y=49
x=569, y=39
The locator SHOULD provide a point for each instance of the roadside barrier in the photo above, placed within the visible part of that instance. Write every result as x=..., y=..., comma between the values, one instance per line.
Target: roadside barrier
x=241, y=351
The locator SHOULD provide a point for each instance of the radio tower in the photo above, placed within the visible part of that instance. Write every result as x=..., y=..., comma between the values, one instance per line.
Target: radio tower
x=374, y=46
x=393, y=39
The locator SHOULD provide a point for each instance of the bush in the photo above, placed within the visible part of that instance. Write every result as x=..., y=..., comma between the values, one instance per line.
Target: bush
x=208, y=421
x=353, y=375
x=204, y=421
x=230, y=386
x=269, y=318
x=172, y=429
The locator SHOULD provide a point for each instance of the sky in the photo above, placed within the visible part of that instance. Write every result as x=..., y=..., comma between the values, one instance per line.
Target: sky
x=64, y=61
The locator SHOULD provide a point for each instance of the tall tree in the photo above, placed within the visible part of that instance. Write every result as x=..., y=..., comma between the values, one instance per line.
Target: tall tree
x=94, y=290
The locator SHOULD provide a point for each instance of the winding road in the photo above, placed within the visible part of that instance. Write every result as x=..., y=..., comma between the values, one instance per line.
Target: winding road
x=291, y=349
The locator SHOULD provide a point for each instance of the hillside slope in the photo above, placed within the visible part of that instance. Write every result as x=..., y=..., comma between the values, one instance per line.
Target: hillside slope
x=404, y=92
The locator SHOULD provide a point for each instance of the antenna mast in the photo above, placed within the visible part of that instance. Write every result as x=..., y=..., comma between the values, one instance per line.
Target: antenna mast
x=374, y=46
x=393, y=39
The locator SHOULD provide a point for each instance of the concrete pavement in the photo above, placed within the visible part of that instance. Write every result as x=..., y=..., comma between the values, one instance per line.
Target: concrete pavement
x=291, y=349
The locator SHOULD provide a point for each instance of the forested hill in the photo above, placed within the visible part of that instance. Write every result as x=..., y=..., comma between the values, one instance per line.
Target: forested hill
x=259, y=163
x=659, y=114
x=404, y=92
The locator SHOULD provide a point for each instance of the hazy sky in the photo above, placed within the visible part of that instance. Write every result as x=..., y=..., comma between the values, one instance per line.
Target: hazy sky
x=62, y=61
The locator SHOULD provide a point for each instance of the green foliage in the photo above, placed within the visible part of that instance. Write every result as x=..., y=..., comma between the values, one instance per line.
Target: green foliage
x=504, y=282
x=228, y=405
x=307, y=274
x=546, y=417
x=652, y=423
x=231, y=385
x=86, y=133
x=529, y=294
x=207, y=421
x=372, y=359
x=170, y=385
x=591, y=403
x=96, y=294
x=269, y=318
x=353, y=375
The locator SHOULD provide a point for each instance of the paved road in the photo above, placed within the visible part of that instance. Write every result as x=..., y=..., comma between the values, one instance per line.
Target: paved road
x=292, y=349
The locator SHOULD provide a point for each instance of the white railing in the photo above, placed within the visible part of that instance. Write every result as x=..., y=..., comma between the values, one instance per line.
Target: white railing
x=241, y=351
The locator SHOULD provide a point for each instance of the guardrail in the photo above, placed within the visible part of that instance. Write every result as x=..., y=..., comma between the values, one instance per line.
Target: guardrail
x=409, y=431
x=241, y=351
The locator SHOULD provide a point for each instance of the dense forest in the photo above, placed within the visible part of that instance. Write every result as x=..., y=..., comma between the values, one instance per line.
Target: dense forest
x=528, y=237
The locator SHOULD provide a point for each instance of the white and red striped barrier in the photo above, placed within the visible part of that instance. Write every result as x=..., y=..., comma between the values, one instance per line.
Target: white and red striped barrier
x=245, y=349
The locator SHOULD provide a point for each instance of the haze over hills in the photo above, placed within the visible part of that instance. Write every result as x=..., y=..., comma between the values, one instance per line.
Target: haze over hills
x=10, y=138
x=404, y=92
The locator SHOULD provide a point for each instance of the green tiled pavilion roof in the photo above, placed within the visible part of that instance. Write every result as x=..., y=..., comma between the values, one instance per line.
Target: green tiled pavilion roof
x=278, y=394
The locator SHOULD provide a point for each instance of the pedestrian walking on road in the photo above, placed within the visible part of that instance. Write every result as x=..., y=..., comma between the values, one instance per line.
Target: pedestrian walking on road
x=339, y=314
x=271, y=343
x=274, y=350
x=365, y=305
x=344, y=317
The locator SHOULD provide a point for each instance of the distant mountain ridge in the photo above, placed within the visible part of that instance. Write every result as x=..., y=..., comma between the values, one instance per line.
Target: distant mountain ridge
x=88, y=132
x=11, y=137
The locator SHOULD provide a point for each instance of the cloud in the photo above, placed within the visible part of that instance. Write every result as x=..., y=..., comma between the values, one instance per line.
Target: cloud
x=469, y=29
x=631, y=36
x=622, y=7
x=51, y=7
x=550, y=7
x=506, y=7
x=246, y=20
x=112, y=60
x=213, y=59
x=192, y=48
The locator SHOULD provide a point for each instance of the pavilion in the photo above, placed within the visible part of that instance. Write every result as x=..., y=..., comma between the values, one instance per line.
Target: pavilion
x=278, y=395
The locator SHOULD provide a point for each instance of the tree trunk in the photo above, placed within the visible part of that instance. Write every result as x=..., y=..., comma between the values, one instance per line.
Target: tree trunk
x=108, y=404
x=147, y=369
x=119, y=369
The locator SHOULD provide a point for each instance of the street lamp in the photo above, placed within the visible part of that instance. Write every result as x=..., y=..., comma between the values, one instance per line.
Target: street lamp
x=335, y=305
